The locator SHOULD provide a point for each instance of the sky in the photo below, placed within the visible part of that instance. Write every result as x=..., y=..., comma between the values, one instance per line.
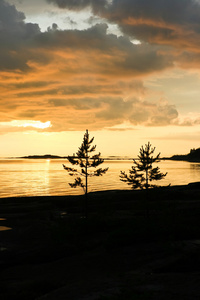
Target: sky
x=126, y=70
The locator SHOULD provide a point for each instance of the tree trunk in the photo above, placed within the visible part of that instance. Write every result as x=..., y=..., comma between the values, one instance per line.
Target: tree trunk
x=147, y=194
x=147, y=179
x=86, y=187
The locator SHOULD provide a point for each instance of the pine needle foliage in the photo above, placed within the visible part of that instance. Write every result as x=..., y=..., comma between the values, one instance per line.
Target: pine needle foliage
x=142, y=172
x=87, y=164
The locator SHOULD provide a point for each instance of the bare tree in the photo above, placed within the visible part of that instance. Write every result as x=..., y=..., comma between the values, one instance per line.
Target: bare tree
x=87, y=166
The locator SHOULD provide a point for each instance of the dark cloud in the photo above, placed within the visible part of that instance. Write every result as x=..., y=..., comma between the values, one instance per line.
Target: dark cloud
x=23, y=46
x=168, y=22
x=12, y=61
x=117, y=52
x=14, y=35
x=13, y=29
x=169, y=11
x=96, y=5
x=53, y=27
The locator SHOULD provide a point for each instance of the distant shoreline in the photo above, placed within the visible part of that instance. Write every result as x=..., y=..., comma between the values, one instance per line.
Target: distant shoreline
x=179, y=158
x=193, y=156
x=46, y=156
x=49, y=156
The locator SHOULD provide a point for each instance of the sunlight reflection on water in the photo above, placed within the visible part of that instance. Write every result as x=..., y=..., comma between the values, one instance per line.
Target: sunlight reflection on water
x=34, y=177
x=4, y=228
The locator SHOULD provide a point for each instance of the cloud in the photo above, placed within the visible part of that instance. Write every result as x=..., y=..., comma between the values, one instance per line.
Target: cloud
x=114, y=53
x=14, y=38
x=167, y=22
x=173, y=23
x=82, y=77
x=25, y=125
x=23, y=47
x=96, y=5
x=12, y=22
x=191, y=119
x=163, y=115
x=112, y=111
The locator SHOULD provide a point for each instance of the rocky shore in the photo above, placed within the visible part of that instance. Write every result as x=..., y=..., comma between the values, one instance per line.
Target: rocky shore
x=133, y=245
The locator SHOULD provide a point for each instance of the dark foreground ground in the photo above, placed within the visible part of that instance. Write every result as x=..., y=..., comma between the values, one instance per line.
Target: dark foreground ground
x=128, y=248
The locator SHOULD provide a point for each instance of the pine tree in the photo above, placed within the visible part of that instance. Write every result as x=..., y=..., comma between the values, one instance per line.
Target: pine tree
x=85, y=163
x=142, y=172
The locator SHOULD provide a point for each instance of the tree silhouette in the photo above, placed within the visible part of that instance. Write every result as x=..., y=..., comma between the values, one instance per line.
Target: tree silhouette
x=142, y=173
x=85, y=162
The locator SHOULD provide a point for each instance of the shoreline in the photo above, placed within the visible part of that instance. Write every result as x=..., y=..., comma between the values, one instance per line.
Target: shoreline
x=118, y=252
x=191, y=185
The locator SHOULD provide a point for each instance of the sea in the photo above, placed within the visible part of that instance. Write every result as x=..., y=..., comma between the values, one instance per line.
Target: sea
x=46, y=177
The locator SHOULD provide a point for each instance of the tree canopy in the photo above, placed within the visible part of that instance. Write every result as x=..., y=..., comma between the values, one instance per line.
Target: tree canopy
x=87, y=164
x=142, y=173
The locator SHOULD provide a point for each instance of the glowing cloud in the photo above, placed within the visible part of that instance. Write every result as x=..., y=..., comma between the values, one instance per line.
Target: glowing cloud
x=26, y=123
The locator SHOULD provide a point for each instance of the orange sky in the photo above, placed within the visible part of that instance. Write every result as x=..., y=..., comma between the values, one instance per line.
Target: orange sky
x=126, y=70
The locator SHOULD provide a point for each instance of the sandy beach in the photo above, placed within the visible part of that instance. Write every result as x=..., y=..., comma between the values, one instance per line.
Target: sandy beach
x=129, y=247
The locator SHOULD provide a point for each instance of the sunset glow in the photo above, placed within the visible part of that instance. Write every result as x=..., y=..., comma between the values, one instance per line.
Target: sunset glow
x=24, y=123
x=126, y=70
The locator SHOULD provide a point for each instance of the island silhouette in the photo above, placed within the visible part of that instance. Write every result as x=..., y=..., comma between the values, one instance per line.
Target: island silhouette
x=193, y=156
x=46, y=156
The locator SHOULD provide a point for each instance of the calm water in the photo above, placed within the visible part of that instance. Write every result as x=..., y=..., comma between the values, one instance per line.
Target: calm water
x=22, y=177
